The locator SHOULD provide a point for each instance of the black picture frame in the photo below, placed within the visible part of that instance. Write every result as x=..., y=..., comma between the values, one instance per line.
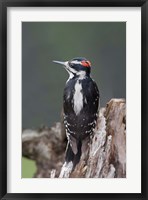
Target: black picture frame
x=4, y=4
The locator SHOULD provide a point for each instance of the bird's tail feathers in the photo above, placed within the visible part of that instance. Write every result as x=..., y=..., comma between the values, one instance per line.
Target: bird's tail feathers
x=70, y=156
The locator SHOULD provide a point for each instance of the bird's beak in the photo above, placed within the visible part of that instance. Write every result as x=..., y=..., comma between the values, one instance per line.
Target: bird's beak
x=59, y=62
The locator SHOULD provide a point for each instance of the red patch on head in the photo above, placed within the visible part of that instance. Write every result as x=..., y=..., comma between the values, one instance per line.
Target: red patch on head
x=86, y=63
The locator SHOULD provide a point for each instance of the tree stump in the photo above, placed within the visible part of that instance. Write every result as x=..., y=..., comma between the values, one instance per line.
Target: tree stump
x=106, y=156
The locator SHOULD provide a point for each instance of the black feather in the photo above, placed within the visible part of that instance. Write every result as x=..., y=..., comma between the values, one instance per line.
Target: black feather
x=71, y=157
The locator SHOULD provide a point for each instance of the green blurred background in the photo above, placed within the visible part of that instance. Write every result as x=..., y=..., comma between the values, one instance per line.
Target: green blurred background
x=28, y=168
x=103, y=43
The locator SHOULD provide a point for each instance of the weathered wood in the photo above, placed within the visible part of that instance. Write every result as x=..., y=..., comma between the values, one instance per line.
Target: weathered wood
x=46, y=146
x=106, y=157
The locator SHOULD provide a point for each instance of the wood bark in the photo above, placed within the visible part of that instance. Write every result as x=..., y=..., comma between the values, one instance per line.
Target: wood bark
x=105, y=157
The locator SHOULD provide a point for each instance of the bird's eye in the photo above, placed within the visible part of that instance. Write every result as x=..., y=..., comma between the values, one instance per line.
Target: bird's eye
x=86, y=63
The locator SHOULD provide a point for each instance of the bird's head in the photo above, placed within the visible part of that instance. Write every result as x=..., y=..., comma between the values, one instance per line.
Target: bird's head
x=77, y=66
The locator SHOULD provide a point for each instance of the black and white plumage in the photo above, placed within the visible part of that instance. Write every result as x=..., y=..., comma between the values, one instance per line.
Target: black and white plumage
x=81, y=102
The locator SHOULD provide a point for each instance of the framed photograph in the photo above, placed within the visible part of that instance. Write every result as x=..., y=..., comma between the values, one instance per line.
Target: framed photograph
x=73, y=99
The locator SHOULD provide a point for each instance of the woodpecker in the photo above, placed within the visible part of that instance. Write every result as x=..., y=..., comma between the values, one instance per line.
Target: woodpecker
x=80, y=105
